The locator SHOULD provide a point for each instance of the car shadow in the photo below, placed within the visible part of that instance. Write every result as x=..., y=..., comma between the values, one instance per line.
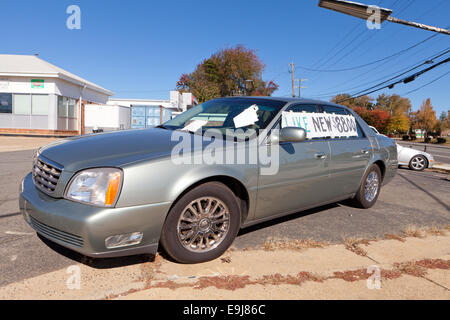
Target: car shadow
x=97, y=263
x=290, y=217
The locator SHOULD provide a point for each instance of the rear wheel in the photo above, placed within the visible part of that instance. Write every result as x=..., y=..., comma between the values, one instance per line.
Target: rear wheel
x=369, y=190
x=418, y=163
x=202, y=224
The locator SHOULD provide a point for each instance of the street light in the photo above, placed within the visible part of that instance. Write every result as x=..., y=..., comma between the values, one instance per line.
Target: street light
x=360, y=10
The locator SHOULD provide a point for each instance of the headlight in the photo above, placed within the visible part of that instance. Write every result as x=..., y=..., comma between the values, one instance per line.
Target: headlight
x=100, y=186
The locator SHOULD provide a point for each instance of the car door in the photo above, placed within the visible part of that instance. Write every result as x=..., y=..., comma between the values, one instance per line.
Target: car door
x=349, y=157
x=302, y=179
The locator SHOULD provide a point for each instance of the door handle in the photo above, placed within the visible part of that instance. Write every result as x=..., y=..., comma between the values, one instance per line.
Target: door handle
x=320, y=156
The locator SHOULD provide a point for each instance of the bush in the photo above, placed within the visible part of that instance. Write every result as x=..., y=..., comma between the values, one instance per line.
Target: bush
x=412, y=137
x=441, y=140
x=427, y=140
x=405, y=137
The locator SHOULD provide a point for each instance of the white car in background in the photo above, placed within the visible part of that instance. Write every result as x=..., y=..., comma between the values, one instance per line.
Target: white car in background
x=416, y=160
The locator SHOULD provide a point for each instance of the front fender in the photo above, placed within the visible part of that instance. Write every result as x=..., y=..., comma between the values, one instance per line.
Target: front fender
x=163, y=180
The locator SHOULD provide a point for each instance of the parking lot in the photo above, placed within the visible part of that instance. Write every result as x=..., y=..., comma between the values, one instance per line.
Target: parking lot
x=411, y=199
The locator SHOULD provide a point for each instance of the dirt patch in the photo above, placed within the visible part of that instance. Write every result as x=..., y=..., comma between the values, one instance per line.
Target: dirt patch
x=232, y=282
x=434, y=264
x=410, y=268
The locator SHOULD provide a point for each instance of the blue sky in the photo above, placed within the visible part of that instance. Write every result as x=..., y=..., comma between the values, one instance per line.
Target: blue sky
x=138, y=49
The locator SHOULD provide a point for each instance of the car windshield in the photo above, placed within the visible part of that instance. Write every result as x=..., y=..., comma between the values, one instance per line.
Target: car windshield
x=227, y=114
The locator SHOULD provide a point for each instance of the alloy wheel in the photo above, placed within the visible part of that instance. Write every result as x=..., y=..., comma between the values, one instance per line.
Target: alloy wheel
x=203, y=224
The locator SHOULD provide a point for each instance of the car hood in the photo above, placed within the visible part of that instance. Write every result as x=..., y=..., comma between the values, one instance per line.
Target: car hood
x=113, y=149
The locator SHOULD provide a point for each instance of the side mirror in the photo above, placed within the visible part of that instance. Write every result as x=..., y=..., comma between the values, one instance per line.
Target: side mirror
x=288, y=134
x=292, y=134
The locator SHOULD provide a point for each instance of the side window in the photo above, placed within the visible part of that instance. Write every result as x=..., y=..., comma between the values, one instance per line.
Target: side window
x=304, y=108
x=337, y=110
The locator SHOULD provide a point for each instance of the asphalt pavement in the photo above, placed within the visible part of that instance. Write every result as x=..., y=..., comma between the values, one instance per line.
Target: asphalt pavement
x=412, y=198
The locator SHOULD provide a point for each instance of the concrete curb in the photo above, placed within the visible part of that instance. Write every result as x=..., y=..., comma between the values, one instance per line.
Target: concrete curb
x=441, y=166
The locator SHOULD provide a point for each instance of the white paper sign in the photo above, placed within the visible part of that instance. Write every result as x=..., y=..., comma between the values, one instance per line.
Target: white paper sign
x=321, y=124
x=195, y=125
x=246, y=117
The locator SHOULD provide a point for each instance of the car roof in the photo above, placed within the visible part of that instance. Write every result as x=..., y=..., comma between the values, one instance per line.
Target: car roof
x=290, y=100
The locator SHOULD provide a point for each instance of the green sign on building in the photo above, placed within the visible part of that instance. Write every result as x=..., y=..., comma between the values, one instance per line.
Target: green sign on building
x=37, y=83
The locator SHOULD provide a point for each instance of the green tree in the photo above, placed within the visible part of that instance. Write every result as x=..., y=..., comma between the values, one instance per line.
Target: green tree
x=394, y=104
x=443, y=123
x=232, y=71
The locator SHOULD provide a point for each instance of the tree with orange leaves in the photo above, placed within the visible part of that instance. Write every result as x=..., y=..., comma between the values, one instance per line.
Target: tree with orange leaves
x=425, y=118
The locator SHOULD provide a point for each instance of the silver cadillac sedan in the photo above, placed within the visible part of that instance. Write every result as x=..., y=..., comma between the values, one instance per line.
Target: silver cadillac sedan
x=191, y=183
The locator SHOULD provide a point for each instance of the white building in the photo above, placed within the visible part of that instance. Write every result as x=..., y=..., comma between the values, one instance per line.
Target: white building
x=106, y=117
x=177, y=102
x=37, y=97
x=145, y=113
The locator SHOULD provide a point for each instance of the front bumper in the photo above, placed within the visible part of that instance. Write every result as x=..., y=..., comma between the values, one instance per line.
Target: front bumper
x=84, y=228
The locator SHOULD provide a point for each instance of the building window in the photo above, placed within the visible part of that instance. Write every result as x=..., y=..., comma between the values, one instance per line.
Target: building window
x=5, y=103
x=67, y=107
x=22, y=104
x=40, y=104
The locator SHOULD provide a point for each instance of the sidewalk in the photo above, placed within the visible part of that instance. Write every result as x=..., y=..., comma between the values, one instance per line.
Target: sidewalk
x=9, y=143
x=408, y=268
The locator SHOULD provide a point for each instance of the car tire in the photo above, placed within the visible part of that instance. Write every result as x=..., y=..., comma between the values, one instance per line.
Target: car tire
x=202, y=224
x=418, y=163
x=370, y=187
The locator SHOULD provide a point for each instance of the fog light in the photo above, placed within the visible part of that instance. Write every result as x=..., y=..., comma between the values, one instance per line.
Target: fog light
x=123, y=240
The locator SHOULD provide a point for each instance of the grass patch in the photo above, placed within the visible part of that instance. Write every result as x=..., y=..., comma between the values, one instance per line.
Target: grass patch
x=287, y=244
x=413, y=231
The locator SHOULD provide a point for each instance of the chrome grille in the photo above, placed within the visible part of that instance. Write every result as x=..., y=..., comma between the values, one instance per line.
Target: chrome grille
x=56, y=233
x=45, y=175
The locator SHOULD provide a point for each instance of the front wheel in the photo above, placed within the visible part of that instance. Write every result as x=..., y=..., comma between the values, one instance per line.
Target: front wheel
x=418, y=163
x=202, y=224
x=369, y=190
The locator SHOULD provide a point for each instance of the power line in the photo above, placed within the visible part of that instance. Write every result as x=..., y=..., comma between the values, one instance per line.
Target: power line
x=426, y=84
x=370, y=63
x=355, y=46
x=404, y=80
x=409, y=69
x=371, y=73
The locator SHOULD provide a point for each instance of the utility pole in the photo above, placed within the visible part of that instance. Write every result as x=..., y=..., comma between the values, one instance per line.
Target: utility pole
x=293, y=80
x=300, y=86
